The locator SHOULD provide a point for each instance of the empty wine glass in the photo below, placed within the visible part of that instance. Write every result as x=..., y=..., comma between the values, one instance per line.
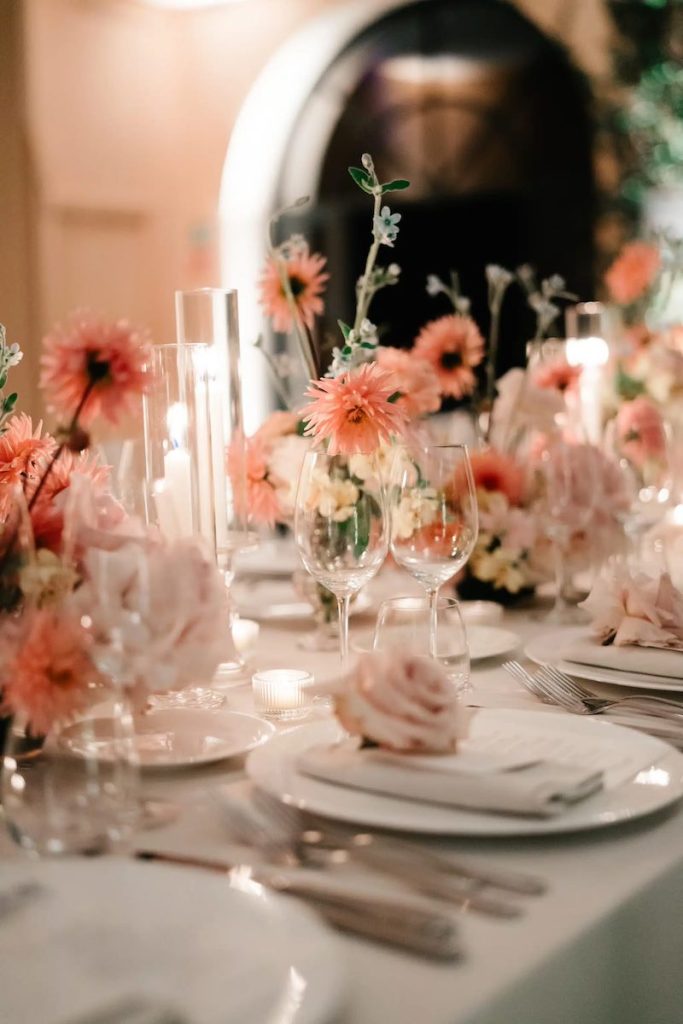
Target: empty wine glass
x=434, y=516
x=569, y=490
x=341, y=526
x=405, y=623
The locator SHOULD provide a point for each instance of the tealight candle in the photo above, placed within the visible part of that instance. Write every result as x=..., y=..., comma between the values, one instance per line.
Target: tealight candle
x=279, y=693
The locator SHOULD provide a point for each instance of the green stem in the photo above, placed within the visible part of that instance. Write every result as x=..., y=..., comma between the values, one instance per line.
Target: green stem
x=365, y=292
x=306, y=346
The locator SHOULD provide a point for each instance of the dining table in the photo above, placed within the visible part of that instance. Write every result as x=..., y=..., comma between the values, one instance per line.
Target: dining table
x=602, y=945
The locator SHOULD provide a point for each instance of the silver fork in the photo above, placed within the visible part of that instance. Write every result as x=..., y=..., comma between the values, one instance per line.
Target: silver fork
x=564, y=683
x=385, y=851
x=275, y=842
x=553, y=690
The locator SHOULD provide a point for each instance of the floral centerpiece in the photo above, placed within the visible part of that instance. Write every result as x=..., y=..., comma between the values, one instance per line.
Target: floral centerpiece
x=88, y=592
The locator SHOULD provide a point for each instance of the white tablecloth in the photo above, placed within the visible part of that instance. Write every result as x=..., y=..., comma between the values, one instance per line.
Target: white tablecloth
x=603, y=946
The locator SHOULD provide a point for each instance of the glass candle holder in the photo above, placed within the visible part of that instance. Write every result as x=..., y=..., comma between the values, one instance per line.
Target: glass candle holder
x=280, y=693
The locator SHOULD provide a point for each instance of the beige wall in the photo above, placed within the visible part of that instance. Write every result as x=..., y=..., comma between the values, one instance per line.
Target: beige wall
x=114, y=161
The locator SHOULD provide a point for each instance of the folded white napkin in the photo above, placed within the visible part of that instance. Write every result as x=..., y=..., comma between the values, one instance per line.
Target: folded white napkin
x=473, y=781
x=649, y=661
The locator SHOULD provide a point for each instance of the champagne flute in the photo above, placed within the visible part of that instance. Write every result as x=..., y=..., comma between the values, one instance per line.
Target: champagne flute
x=341, y=526
x=434, y=517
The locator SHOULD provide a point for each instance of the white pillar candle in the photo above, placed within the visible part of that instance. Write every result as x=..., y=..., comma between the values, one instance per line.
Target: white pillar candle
x=204, y=464
x=218, y=464
x=591, y=354
x=178, y=470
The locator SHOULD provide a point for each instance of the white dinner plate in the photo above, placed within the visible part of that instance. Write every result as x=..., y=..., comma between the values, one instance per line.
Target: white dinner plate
x=484, y=642
x=177, y=737
x=270, y=600
x=545, y=650
x=642, y=775
x=111, y=930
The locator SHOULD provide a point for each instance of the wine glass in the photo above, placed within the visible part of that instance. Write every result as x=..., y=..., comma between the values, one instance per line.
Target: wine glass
x=569, y=490
x=341, y=526
x=434, y=517
x=405, y=623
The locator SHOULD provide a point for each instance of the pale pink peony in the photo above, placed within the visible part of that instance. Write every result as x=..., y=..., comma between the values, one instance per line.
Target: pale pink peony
x=403, y=703
x=166, y=604
x=306, y=281
x=633, y=272
x=46, y=670
x=110, y=361
x=640, y=431
x=637, y=609
x=353, y=412
x=522, y=406
x=415, y=378
x=454, y=347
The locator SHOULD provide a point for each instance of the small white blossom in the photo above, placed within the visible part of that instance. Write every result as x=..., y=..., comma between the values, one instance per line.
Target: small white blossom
x=417, y=508
x=385, y=226
x=332, y=498
x=434, y=285
x=393, y=270
x=498, y=277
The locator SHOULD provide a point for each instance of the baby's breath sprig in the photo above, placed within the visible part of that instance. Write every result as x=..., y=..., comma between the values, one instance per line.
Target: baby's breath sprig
x=435, y=286
x=542, y=300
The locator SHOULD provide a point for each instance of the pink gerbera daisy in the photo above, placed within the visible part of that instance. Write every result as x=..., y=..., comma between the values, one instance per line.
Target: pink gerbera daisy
x=353, y=412
x=453, y=346
x=557, y=375
x=102, y=365
x=633, y=271
x=306, y=283
x=640, y=431
x=415, y=378
x=254, y=494
x=493, y=471
x=46, y=670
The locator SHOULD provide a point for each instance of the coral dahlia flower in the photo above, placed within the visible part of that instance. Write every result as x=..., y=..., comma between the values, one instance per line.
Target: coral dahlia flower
x=415, y=378
x=454, y=346
x=353, y=412
x=254, y=494
x=23, y=451
x=304, y=271
x=109, y=361
x=46, y=669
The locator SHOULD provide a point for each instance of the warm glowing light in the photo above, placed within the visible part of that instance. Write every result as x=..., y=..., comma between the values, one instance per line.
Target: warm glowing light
x=176, y=421
x=677, y=515
x=587, y=351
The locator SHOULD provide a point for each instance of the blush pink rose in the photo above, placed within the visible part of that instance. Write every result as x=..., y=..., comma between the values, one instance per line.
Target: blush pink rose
x=633, y=271
x=640, y=431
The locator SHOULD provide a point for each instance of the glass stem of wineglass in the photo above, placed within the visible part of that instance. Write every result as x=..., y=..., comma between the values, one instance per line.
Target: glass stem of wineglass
x=433, y=598
x=343, y=602
x=561, y=603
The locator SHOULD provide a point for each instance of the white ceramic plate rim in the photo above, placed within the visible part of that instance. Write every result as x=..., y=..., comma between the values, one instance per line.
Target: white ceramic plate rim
x=294, y=609
x=543, y=650
x=271, y=769
x=306, y=943
x=215, y=720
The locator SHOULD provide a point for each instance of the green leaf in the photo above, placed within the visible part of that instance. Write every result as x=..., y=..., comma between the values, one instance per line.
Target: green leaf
x=368, y=344
x=628, y=387
x=395, y=397
x=361, y=178
x=301, y=427
x=347, y=350
x=10, y=402
x=3, y=380
x=344, y=328
x=397, y=185
x=362, y=538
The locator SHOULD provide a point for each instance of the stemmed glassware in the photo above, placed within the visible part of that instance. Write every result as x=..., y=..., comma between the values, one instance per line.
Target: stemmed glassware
x=569, y=492
x=434, y=517
x=341, y=526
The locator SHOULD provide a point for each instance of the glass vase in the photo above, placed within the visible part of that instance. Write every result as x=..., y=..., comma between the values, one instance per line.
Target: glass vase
x=74, y=790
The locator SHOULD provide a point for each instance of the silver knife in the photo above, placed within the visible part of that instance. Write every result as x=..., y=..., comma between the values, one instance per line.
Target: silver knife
x=393, y=920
